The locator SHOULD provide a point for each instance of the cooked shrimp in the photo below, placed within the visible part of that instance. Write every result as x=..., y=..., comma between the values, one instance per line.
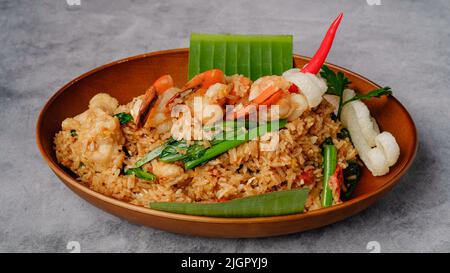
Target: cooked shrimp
x=99, y=139
x=181, y=127
x=211, y=113
x=153, y=109
x=298, y=105
x=265, y=87
x=105, y=102
x=206, y=102
x=159, y=116
x=166, y=170
x=200, y=83
x=217, y=93
x=142, y=107
x=273, y=92
x=240, y=87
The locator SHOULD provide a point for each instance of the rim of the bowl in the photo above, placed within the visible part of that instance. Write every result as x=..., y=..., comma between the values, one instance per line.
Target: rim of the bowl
x=206, y=219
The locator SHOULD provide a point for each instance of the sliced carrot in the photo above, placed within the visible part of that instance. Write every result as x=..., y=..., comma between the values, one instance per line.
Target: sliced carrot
x=274, y=98
x=267, y=93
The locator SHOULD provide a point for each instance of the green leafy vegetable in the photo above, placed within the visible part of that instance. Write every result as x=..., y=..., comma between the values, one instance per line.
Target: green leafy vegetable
x=269, y=204
x=229, y=125
x=174, y=150
x=327, y=141
x=212, y=152
x=372, y=94
x=73, y=133
x=150, y=156
x=352, y=175
x=337, y=83
x=124, y=118
x=179, y=150
x=343, y=134
x=333, y=116
x=140, y=173
x=196, y=154
x=329, y=167
x=226, y=145
x=251, y=55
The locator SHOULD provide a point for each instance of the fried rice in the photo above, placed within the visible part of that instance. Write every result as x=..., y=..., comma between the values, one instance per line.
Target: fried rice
x=242, y=171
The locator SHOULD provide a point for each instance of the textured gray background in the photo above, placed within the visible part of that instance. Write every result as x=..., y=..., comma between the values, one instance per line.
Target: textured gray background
x=44, y=44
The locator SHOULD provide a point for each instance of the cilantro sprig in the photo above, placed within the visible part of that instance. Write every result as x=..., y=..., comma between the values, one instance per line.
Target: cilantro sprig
x=372, y=94
x=124, y=118
x=337, y=83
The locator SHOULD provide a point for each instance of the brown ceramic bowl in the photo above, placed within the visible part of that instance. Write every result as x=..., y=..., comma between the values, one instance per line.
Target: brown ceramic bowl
x=130, y=77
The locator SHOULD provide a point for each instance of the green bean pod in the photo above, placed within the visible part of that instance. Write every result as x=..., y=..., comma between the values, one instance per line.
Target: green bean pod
x=269, y=204
x=329, y=167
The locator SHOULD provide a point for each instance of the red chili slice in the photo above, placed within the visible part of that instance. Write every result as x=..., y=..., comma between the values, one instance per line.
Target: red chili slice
x=307, y=176
x=293, y=88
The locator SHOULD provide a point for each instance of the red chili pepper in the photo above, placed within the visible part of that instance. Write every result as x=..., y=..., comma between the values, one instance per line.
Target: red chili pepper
x=223, y=199
x=336, y=182
x=307, y=176
x=293, y=88
x=317, y=61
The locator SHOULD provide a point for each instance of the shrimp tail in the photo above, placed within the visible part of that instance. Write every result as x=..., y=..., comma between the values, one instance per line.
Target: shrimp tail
x=150, y=98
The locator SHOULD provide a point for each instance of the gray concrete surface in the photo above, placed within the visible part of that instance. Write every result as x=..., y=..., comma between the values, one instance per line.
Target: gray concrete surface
x=44, y=44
